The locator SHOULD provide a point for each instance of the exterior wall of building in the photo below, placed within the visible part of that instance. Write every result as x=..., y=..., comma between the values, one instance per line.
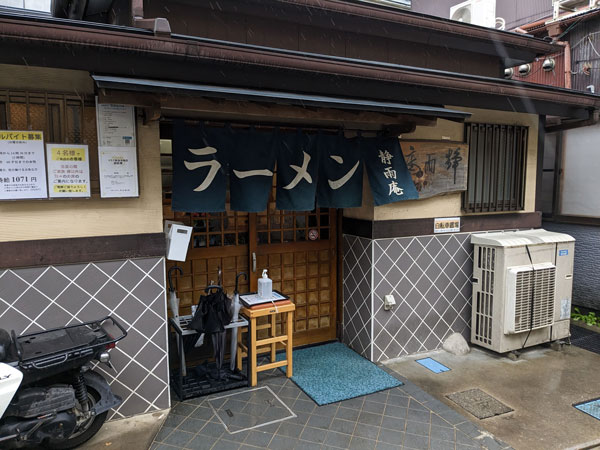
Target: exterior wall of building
x=131, y=290
x=586, y=283
x=430, y=278
x=450, y=205
x=429, y=275
x=67, y=218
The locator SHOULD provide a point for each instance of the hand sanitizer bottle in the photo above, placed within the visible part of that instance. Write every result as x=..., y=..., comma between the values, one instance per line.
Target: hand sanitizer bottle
x=265, y=286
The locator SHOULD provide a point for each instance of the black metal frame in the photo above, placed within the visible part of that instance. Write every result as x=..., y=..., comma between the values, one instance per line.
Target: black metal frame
x=497, y=168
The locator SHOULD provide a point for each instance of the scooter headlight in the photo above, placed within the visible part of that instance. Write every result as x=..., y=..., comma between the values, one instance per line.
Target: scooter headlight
x=104, y=357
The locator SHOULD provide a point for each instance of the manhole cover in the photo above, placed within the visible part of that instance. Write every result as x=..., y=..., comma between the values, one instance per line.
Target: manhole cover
x=478, y=403
x=250, y=409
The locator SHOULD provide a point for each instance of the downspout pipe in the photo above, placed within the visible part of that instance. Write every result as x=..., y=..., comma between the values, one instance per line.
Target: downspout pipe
x=567, y=52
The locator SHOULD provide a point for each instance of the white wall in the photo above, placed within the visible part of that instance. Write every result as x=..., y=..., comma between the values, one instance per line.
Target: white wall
x=580, y=181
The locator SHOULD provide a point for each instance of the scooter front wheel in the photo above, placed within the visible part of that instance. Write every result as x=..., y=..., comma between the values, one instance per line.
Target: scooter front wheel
x=86, y=431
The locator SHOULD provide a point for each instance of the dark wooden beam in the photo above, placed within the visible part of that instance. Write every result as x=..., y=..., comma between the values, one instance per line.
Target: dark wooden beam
x=80, y=250
x=383, y=229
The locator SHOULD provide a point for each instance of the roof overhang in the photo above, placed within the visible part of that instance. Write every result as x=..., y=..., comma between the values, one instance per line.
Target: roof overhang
x=278, y=97
x=133, y=53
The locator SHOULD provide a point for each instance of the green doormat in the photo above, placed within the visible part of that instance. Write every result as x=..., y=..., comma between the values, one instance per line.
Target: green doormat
x=332, y=372
x=478, y=403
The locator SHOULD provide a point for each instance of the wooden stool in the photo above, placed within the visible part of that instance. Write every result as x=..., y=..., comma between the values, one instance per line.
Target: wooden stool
x=269, y=343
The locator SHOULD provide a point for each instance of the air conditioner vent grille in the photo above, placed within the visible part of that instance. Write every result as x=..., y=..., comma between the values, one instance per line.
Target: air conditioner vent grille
x=484, y=304
x=543, y=281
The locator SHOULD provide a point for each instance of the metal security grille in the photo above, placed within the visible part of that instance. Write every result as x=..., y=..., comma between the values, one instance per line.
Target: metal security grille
x=543, y=299
x=496, y=173
x=484, y=305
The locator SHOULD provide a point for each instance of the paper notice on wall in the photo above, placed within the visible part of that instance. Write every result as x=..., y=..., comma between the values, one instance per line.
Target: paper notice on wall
x=116, y=125
x=68, y=170
x=22, y=165
x=118, y=172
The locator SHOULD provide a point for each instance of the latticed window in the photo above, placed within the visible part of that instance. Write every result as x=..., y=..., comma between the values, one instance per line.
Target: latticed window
x=66, y=119
x=497, y=162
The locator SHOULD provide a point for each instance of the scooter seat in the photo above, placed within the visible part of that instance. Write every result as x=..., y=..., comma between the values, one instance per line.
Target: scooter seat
x=6, y=346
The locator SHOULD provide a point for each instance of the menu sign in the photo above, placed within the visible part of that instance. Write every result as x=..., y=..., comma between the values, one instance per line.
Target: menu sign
x=118, y=172
x=116, y=125
x=68, y=170
x=22, y=165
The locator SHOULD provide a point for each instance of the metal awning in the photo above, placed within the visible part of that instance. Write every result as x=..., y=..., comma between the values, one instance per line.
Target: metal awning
x=287, y=98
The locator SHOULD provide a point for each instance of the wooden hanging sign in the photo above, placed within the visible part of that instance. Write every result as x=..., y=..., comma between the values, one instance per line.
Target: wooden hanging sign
x=437, y=167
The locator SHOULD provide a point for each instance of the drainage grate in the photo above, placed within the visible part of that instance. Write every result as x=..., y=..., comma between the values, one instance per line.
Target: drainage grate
x=585, y=339
x=591, y=407
x=480, y=404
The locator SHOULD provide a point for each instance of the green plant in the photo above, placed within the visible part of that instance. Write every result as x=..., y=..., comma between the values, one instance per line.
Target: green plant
x=589, y=318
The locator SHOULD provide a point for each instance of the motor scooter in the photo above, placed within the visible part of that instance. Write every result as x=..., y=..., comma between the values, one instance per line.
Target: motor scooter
x=49, y=395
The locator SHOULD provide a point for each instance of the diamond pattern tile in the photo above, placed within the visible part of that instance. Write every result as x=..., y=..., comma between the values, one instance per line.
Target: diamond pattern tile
x=357, y=269
x=430, y=278
x=133, y=291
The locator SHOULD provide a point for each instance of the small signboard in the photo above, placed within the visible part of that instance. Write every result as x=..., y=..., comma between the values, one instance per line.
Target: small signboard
x=446, y=225
x=68, y=170
x=436, y=167
x=22, y=165
x=116, y=125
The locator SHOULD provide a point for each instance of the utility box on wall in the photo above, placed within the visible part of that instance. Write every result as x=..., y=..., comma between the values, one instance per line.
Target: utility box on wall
x=522, y=285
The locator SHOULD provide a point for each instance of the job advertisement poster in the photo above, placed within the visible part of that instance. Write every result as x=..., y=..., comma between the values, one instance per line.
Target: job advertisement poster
x=118, y=172
x=68, y=170
x=22, y=165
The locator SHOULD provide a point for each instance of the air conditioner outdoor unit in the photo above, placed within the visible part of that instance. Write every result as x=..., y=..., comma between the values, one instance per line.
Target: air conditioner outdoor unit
x=477, y=12
x=522, y=284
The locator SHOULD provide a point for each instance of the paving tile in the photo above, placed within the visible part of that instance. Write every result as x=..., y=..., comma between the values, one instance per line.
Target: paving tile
x=380, y=397
x=391, y=437
x=442, y=433
x=366, y=431
x=417, y=406
x=191, y=425
x=213, y=429
x=236, y=437
x=178, y=438
x=319, y=421
x=453, y=417
x=173, y=421
x=356, y=402
x=304, y=406
x=373, y=407
x=469, y=429
x=314, y=435
x=305, y=445
x=326, y=410
x=398, y=400
x=385, y=446
x=437, y=420
x=258, y=438
x=201, y=412
x=435, y=444
x=302, y=395
x=395, y=411
x=416, y=442
x=183, y=409
x=358, y=443
x=163, y=433
x=224, y=444
x=246, y=447
x=420, y=428
x=201, y=442
x=290, y=430
x=370, y=418
x=342, y=426
x=466, y=447
x=418, y=416
x=289, y=392
x=166, y=447
x=282, y=443
x=339, y=440
x=347, y=413
x=393, y=423
x=462, y=438
x=301, y=418
x=492, y=444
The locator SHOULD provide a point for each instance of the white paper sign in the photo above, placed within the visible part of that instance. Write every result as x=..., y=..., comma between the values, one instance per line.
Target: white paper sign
x=68, y=170
x=22, y=165
x=116, y=125
x=118, y=172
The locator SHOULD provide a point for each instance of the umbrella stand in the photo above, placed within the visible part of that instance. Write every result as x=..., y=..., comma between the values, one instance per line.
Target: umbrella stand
x=236, y=316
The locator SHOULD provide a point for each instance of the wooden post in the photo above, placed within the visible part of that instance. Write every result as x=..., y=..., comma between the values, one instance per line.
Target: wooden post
x=252, y=351
x=288, y=352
